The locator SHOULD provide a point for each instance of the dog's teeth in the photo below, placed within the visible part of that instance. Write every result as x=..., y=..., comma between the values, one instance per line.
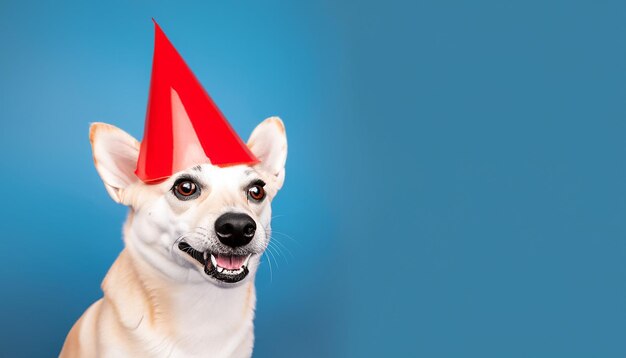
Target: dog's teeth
x=245, y=263
x=220, y=269
x=206, y=256
x=233, y=272
x=213, y=261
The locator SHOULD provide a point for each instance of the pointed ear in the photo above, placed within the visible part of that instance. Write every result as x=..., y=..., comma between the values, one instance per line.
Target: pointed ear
x=115, y=155
x=268, y=142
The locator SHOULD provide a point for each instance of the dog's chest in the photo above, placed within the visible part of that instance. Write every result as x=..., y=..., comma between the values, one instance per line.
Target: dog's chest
x=216, y=322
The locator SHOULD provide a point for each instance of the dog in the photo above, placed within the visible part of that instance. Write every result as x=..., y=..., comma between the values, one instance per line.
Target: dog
x=183, y=286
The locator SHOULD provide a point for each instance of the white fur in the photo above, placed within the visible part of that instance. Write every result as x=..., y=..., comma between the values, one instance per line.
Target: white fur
x=157, y=300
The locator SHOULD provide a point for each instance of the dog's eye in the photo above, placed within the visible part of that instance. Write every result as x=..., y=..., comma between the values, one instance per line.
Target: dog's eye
x=185, y=189
x=256, y=191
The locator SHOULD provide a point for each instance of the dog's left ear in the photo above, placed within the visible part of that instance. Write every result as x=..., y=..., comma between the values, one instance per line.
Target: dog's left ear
x=268, y=142
x=115, y=154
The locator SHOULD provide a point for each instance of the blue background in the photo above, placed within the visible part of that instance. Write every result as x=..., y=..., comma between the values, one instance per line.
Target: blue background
x=456, y=179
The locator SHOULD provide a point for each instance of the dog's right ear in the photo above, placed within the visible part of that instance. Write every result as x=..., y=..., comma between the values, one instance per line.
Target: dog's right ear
x=115, y=155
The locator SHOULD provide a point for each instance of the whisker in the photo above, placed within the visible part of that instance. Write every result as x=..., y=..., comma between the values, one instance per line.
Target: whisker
x=277, y=249
x=271, y=251
x=270, y=265
x=267, y=256
x=275, y=240
x=286, y=236
x=280, y=252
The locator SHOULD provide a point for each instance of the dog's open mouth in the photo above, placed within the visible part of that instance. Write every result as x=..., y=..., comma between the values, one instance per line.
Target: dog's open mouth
x=225, y=268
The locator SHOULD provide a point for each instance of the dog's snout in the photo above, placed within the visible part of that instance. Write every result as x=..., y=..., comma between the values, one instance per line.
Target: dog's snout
x=235, y=229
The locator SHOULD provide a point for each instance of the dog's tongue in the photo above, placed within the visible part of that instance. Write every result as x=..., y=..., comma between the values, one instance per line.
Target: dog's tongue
x=230, y=262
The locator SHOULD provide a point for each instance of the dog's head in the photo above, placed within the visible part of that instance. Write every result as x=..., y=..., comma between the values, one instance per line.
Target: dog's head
x=206, y=222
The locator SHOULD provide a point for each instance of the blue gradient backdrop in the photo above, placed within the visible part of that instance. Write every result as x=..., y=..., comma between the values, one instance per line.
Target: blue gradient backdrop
x=456, y=179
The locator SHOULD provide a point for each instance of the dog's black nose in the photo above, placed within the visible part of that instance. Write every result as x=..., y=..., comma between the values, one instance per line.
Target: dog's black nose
x=235, y=229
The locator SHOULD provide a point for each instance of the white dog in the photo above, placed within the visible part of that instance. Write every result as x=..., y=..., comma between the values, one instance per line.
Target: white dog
x=184, y=284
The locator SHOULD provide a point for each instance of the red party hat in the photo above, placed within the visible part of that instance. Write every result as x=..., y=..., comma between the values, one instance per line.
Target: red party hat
x=184, y=127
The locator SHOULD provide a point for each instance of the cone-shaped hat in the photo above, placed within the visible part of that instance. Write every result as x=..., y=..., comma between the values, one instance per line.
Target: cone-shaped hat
x=183, y=126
